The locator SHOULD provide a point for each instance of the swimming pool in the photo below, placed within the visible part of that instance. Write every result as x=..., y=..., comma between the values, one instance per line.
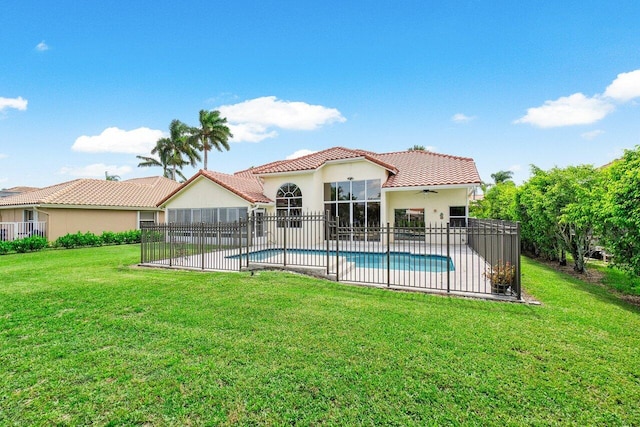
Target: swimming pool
x=397, y=260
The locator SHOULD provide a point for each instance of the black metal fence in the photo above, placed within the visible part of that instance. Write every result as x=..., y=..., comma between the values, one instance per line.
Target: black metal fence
x=482, y=258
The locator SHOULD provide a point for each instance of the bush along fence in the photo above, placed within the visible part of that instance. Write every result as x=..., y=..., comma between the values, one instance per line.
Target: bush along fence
x=480, y=258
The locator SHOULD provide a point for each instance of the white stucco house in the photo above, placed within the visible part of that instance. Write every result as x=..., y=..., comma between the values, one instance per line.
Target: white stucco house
x=406, y=188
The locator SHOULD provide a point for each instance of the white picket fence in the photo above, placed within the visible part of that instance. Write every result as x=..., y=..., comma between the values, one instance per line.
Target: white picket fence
x=20, y=230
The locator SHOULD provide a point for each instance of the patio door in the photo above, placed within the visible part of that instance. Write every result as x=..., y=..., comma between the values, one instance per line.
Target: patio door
x=356, y=204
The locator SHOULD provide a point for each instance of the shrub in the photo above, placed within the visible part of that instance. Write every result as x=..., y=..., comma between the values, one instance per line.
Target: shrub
x=29, y=244
x=90, y=239
x=502, y=275
x=111, y=238
x=132, y=236
x=79, y=239
x=69, y=241
x=5, y=247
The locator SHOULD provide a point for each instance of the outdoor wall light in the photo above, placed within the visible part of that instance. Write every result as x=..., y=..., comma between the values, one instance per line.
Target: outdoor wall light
x=441, y=215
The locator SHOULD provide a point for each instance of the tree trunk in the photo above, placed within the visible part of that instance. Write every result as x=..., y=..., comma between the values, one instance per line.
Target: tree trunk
x=205, y=148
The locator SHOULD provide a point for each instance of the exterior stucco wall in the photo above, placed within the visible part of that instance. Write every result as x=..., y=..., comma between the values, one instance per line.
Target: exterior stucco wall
x=312, y=184
x=64, y=221
x=307, y=183
x=11, y=215
x=202, y=193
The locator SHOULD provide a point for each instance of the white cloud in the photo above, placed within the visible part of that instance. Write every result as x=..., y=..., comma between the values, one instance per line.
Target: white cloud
x=3, y=180
x=114, y=140
x=462, y=118
x=625, y=87
x=575, y=109
x=300, y=153
x=251, y=132
x=515, y=168
x=42, y=46
x=18, y=103
x=254, y=119
x=96, y=170
x=3, y=156
x=592, y=134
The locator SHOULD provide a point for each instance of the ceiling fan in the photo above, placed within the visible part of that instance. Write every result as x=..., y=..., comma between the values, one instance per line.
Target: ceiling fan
x=426, y=191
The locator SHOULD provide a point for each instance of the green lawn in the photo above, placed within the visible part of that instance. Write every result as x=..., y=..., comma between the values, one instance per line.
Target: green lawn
x=86, y=339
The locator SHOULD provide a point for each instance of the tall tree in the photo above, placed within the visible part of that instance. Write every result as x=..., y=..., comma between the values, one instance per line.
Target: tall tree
x=499, y=202
x=620, y=210
x=212, y=133
x=417, y=147
x=502, y=176
x=174, y=152
x=558, y=210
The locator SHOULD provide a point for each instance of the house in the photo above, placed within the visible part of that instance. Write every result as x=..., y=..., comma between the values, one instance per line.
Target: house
x=6, y=192
x=362, y=188
x=84, y=205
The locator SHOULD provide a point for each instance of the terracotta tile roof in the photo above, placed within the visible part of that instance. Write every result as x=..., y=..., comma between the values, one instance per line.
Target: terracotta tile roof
x=244, y=184
x=21, y=189
x=315, y=160
x=406, y=169
x=139, y=192
x=425, y=168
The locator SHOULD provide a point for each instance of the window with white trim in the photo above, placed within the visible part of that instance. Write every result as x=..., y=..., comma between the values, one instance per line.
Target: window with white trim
x=289, y=204
x=146, y=217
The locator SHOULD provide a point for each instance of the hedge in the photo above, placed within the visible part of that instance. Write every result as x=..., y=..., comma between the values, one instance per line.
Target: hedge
x=68, y=241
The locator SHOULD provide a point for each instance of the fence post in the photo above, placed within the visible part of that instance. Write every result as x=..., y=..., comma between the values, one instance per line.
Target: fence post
x=517, y=250
x=284, y=239
x=142, y=242
x=337, y=248
x=326, y=236
x=202, y=244
x=388, y=255
x=448, y=258
x=250, y=228
x=170, y=246
x=239, y=229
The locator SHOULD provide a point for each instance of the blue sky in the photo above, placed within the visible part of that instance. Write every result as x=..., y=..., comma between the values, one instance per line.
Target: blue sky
x=85, y=86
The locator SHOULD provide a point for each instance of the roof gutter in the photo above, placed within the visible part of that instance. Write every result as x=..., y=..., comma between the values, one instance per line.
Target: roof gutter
x=430, y=187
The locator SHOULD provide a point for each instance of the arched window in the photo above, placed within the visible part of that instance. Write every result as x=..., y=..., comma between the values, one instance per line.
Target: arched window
x=289, y=203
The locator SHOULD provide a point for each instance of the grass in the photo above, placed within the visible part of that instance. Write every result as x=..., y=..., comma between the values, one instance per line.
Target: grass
x=86, y=339
x=617, y=279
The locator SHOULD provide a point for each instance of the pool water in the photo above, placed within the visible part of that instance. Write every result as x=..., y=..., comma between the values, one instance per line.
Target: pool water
x=397, y=260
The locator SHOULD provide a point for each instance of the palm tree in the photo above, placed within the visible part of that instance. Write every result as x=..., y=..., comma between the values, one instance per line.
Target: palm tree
x=212, y=133
x=111, y=177
x=172, y=151
x=502, y=176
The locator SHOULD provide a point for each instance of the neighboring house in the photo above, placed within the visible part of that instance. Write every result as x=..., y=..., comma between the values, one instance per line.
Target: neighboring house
x=84, y=205
x=6, y=192
x=408, y=188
